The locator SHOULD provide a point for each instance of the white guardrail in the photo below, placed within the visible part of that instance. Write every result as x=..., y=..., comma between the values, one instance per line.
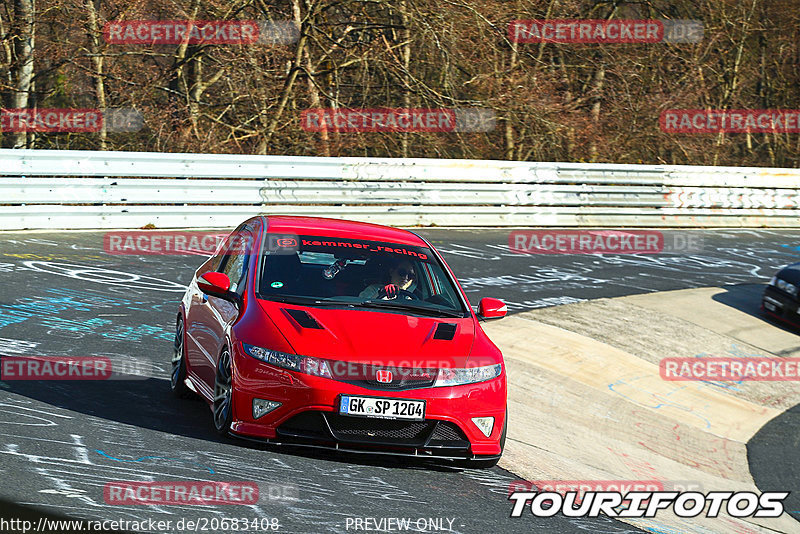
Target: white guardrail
x=83, y=189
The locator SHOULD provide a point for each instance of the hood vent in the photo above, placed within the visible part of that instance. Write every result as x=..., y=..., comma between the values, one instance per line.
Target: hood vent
x=302, y=318
x=445, y=331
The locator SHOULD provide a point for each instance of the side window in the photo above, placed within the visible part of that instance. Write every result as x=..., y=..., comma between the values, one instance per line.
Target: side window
x=424, y=279
x=211, y=264
x=234, y=267
x=214, y=262
x=236, y=257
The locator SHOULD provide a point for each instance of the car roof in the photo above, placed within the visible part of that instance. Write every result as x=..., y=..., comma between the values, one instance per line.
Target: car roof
x=326, y=227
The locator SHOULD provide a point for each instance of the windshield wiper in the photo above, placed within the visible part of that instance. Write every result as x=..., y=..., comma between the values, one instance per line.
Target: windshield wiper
x=435, y=312
x=304, y=301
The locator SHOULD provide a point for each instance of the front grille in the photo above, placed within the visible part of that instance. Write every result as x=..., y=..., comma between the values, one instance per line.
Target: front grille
x=432, y=436
x=364, y=429
x=446, y=431
x=774, y=290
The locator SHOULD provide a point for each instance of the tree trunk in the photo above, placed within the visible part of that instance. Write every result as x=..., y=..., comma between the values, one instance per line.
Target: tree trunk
x=406, y=39
x=508, y=128
x=21, y=71
x=97, y=67
x=597, y=93
x=288, y=86
x=313, y=91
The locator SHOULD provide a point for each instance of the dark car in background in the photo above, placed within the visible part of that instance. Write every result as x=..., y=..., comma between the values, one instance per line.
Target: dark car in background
x=780, y=298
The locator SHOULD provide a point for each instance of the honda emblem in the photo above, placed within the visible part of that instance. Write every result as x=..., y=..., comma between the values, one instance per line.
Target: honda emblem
x=383, y=376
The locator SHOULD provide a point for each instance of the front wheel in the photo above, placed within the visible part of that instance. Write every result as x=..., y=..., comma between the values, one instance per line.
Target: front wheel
x=223, y=394
x=177, y=379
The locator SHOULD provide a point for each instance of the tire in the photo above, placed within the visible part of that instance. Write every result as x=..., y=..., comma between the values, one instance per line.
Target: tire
x=177, y=381
x=222, y=407
x=486, y=464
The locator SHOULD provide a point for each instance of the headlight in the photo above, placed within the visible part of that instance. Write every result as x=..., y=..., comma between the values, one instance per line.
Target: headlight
x=786, y=286
x=773, y=280
x=471, y=375
x=292, y=362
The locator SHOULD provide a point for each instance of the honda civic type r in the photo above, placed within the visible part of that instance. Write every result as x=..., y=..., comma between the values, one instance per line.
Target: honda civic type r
x=344, y=335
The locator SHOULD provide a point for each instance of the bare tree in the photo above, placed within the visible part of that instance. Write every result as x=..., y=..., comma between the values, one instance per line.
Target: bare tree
x=20, y=73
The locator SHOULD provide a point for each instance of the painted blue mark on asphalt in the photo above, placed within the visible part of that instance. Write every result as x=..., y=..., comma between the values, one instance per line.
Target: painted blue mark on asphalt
x=658, y=400
x=136, y=333
x=86, y=297
x=662, y=530
x=47, y=309
x=9, y=317
x=143, y=458
x=25, y=308
x=94, y=300
x=737, y=352
x=72, y=325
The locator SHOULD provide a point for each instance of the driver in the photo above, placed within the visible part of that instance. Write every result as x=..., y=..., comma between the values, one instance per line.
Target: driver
x=400, y=277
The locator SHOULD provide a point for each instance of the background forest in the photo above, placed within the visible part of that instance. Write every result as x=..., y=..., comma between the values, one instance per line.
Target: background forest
x=553, y=102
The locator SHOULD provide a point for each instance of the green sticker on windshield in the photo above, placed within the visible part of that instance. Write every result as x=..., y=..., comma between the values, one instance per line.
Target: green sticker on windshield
x=276, y=284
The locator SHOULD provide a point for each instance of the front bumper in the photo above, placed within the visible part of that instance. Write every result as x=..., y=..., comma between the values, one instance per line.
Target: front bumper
x=430, y=438
x=308, y=414
x=780, y=305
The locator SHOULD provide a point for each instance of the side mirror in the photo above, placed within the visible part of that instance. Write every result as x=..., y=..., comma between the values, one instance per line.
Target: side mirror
x=217, y=285
x=490, y=308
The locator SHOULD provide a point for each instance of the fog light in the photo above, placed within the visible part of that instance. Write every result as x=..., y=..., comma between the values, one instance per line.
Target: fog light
x=263, y=406
x=484, y=424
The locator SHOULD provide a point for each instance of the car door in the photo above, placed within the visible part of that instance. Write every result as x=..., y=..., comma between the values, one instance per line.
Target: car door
x=210, y=316
x=196, y=321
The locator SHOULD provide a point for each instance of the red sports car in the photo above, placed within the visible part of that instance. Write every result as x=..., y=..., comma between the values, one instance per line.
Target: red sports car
x=345, y=335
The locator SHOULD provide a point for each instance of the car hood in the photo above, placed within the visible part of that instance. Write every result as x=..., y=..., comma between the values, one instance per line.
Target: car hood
x=367, y=336
x=790, y=273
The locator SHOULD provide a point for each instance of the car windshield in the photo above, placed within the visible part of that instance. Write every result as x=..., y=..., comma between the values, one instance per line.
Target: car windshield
x=320, y=271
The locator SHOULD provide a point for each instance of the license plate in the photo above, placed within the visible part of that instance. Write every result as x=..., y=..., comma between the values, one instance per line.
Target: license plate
x=769, y=306
x=382, y=408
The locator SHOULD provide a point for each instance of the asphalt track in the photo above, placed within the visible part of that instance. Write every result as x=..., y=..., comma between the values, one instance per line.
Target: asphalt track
x=60, y=442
